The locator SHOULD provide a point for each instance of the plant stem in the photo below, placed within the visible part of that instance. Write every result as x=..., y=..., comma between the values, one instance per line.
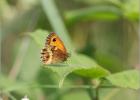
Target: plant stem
x=91, y=91
x=97, y=93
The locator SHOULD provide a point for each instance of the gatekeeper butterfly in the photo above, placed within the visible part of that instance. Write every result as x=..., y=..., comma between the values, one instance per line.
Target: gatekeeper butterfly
x=54, y=50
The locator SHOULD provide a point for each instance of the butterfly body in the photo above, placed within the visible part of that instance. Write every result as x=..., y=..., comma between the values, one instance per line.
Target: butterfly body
x=54, y=50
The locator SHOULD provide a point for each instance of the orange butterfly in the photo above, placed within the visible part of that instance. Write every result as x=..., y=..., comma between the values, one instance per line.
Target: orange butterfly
x=54, y=50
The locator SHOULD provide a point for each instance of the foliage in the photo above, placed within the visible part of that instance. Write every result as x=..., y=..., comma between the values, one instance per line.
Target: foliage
x=100, y=35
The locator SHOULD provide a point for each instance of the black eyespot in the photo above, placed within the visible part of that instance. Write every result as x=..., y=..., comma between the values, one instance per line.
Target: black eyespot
x=54, y=39
x=47, y=56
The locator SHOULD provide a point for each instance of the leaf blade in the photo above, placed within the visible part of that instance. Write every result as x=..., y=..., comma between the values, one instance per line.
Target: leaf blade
x=126, y=79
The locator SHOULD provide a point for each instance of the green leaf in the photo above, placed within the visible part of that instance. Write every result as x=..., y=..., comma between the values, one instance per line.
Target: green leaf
x=77, y=63
x=126, y=79
x=39, y=36
x=93, y=13
x=131, y=9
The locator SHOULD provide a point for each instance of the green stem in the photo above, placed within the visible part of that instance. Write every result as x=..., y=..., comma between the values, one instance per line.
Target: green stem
x=52, y=13
x=97, y=93
x=91, y=91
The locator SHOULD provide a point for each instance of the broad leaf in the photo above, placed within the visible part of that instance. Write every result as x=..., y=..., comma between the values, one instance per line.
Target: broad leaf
x=77, y=63
x=39, y=36
x=126, y=79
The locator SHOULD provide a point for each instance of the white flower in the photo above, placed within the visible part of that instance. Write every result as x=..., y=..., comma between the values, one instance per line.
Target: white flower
x=25, y=98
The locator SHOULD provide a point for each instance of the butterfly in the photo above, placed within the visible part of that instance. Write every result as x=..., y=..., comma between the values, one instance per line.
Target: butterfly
x=54, y=50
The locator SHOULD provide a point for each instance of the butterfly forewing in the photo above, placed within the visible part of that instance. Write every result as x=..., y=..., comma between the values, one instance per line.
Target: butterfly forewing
x=54, y=51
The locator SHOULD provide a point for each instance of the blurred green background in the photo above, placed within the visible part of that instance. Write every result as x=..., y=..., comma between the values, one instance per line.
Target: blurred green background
x=105, y=30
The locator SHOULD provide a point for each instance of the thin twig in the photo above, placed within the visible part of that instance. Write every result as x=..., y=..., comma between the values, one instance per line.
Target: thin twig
x=23, y=48
x=0, y=58
x=19, y=58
